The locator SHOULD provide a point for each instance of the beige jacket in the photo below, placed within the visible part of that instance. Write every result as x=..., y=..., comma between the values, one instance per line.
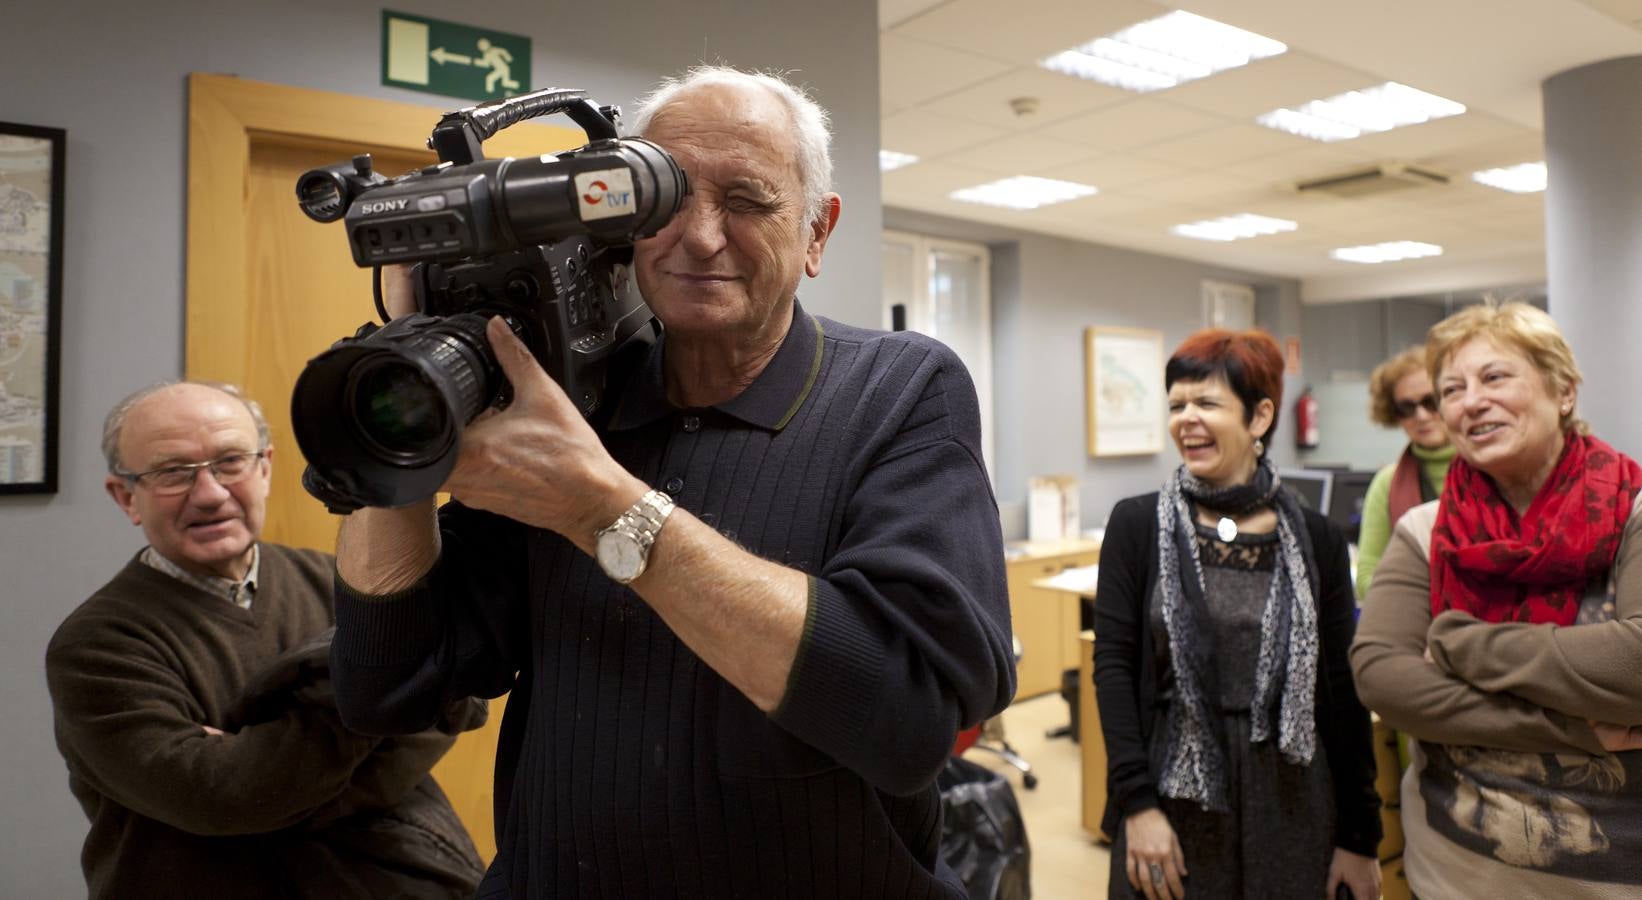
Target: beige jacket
x=1504, y=703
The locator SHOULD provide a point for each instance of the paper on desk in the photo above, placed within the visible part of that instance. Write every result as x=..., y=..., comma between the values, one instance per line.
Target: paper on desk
x=1078, y=580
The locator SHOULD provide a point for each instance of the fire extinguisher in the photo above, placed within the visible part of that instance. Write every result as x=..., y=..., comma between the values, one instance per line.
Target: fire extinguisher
x=1307, y=430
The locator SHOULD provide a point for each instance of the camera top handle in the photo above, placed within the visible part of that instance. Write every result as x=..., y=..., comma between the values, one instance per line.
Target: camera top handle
x=458, y=135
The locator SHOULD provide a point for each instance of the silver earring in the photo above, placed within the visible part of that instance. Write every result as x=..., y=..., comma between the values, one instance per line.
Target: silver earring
x=1259, y=447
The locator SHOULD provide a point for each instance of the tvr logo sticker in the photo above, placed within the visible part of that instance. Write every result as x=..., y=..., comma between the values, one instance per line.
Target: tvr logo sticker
x=605, y=193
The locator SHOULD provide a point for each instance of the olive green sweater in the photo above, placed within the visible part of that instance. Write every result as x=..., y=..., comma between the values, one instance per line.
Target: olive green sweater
x=139, y=670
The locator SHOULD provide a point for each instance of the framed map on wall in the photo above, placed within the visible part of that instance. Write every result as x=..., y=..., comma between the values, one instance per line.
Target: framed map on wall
x=31, y=269
x=1123, y=371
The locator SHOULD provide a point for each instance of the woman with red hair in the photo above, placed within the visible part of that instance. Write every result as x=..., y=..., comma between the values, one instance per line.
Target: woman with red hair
x=1239, y=762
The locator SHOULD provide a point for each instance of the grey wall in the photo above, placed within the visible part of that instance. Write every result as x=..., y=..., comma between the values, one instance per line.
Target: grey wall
x=1046, y=291
x=113, y=74
x=1343, y=343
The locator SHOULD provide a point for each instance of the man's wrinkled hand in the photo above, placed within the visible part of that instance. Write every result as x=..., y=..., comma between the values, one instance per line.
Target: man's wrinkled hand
x=538, y=461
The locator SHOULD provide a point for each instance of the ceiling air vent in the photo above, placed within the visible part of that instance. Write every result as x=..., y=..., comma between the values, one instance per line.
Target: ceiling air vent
x=1371, y=180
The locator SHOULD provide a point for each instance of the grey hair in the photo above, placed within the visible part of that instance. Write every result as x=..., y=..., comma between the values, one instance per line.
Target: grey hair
x=811, y=125
x=114, y=424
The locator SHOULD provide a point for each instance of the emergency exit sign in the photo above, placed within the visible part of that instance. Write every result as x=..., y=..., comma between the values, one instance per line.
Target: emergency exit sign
x=450, y=58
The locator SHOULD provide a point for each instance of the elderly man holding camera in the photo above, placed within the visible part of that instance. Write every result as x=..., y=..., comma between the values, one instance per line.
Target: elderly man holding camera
x=191, y=702
x=743, y=610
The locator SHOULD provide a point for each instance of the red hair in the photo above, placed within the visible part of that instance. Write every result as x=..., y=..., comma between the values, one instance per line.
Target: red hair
x=1249, y=361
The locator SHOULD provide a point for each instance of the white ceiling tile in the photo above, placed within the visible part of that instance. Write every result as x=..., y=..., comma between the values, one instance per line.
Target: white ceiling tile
x=1199, y=188
x=1157, y=217
x=1312, y=161
x=1219, y=147
x=1102, y=207
x=950, y=67
x=1627, y=11
x=926, y=134
x=1026, y=30
x=1131, y=125
x=1441, y=136
x=894, y=12
x=1114, y=170
x=932, y=178
x=1057, y=96
x=1259, y=87
x=1024, y=154
x=1526, y=147
x=911, y=72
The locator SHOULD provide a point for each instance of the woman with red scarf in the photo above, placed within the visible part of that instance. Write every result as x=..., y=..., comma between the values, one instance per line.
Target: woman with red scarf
x=1504, y=631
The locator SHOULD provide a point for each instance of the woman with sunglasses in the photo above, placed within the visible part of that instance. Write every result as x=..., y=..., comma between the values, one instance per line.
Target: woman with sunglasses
x=1400, y=393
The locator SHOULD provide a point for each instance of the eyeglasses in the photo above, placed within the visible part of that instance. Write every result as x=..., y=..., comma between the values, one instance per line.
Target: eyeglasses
x=1407, y=408
x=230, y=469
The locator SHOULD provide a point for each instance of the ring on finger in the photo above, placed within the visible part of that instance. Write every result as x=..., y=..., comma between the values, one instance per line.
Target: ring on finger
x=1156, y=871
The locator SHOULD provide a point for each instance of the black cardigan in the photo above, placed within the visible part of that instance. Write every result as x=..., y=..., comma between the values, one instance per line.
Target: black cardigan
x=1126, y=680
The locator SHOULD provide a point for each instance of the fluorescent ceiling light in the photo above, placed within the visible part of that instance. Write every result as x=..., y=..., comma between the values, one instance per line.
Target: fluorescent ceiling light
x=889, y=160
x=1232, y=228
x=1024, y=192
x=1391, y=251
x=1163, y=52
x=1523, y=179
x=1355, y=113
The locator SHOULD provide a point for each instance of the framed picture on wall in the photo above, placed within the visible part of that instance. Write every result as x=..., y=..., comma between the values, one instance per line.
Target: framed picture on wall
x=1123, y=374
x=31, y=292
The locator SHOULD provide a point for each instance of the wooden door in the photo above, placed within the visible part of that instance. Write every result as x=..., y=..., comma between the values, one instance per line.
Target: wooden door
x=268, y=289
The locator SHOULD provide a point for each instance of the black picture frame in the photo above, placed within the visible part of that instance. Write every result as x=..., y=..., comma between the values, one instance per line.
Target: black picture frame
x=32, y=176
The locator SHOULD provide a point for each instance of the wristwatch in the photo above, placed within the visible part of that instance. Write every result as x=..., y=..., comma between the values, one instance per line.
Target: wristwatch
x=623, y=547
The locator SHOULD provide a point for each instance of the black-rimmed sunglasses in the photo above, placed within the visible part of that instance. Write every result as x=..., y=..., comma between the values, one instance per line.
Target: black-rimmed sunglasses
x=1407, y=408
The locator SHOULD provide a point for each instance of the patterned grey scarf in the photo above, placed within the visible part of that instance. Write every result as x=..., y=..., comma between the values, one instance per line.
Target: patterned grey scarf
x=1194, y=766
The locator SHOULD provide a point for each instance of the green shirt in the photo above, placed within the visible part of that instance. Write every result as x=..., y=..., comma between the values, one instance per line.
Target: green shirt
x=1375, y=532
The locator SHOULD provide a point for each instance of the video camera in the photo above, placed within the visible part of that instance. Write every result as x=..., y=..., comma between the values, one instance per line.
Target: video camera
x=539, y=241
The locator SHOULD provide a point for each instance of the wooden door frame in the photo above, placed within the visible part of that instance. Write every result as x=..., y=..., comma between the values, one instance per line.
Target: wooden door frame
x=225, y=114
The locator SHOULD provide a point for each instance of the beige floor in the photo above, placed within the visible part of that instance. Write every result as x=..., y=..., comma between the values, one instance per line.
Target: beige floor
x=1067, y=862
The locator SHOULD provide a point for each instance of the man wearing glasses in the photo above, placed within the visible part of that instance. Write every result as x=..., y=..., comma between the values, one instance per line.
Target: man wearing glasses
x=190, y=692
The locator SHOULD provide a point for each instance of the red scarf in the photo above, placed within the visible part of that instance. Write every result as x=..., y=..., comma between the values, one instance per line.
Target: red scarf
x=1486, y=563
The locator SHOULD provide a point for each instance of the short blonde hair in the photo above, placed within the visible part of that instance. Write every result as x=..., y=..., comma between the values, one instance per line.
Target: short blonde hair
x=1516, y=325
x=1382, y=384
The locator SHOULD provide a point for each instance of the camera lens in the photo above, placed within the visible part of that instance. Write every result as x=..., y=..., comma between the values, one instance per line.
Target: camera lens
x=397, y=408
x=382, y=415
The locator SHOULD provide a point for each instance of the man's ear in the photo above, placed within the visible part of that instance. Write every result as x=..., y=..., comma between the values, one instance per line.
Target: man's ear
x=831, y=206
x=120, y=490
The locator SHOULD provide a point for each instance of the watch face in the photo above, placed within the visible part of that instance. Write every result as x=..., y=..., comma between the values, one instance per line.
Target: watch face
x=619, y=556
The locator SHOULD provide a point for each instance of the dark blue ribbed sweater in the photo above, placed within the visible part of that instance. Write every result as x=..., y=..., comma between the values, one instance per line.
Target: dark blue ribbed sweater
x=629, y=769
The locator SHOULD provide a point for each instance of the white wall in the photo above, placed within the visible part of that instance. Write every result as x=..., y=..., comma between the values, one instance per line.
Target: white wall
x=113, y=74
x=1046, y=290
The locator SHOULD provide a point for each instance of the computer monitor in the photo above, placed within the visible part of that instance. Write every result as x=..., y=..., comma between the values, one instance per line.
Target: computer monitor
x=1346, y=506
x=1314, y=487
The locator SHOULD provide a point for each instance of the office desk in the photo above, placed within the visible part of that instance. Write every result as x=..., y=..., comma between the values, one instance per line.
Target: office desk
x=1045, y=620
x=1092, y=744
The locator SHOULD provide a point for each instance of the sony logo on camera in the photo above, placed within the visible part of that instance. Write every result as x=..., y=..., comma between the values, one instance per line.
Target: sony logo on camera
x=375, y=206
